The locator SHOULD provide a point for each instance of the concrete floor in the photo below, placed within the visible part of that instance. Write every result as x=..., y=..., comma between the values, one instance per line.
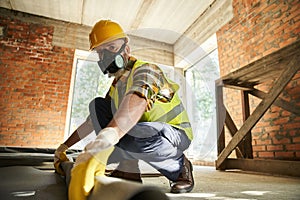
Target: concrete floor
x=229, y=185
x=16, y=181
x=25, y=182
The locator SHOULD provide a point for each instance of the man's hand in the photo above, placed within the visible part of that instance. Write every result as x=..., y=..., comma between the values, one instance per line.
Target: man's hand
x=59, y=157
x=91, y=163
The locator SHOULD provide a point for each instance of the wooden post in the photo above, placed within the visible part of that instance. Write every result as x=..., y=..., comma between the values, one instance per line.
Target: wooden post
x=220, y=109
x=247, y=141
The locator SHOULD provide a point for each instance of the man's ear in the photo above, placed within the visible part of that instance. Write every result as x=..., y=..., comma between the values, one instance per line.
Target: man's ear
x=127, y=50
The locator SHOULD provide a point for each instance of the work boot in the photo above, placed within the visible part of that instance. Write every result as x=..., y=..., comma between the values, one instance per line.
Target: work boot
x=128, y=170
x=185, y=181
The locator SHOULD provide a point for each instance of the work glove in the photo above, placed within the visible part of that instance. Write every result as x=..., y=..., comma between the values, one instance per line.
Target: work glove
x=90, y=163
x=59, y=157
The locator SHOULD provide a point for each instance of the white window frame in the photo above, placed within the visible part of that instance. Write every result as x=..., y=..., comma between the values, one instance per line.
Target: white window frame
x=78, y=55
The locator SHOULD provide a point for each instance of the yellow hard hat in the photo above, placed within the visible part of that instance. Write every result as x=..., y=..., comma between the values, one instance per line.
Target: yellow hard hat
x=105, y=31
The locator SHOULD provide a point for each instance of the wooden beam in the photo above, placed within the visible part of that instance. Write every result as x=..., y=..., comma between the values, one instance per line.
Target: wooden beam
x=274, y=92
x=268, y=67
x=232, y=130
x=230, y=124
x=279, y=167
x=247, y=141
x=220, y=110
x=236, y=86
x=293, y=108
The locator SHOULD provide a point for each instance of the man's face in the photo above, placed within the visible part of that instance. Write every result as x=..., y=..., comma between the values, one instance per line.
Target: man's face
x=113, y=46
x=112, y=56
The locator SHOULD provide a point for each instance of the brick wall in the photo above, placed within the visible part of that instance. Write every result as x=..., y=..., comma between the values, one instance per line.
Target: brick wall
x=36, y=58
x=34, y=82
x=258, y=29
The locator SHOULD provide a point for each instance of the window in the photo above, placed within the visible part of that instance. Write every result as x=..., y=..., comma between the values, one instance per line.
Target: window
x=87, y=83
x=200, y=92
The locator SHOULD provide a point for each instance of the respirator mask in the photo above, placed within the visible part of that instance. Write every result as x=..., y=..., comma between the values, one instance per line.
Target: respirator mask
x=112, y=61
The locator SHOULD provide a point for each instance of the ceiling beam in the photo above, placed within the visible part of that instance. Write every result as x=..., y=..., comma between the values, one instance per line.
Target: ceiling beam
x=141, y=13
x=213, y=18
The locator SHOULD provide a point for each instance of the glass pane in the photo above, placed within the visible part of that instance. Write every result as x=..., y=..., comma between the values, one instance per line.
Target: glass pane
x=90, y=82
x=201, y=94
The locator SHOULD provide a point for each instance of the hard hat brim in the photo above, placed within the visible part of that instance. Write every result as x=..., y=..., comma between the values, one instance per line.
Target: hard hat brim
x=115, y=37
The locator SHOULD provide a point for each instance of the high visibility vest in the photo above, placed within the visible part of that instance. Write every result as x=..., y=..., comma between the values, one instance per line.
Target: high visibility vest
x=172, y=112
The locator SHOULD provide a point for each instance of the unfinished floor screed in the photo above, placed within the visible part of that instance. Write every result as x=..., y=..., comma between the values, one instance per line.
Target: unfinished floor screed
x=27, y=182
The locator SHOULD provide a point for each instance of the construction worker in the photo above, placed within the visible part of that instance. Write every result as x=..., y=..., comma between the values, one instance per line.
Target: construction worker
x=141, y=118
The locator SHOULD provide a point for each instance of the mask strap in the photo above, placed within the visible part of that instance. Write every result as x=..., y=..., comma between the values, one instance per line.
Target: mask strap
x=122, y=48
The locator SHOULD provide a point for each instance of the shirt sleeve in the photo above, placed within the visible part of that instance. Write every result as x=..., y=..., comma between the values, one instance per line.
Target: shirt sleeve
x=150, y=83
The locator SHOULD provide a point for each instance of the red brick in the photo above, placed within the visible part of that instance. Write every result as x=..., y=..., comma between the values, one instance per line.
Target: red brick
x=296, y=140
x=257, y=130
x=292, y=147
x=265, y=154
x=272, y=128
x=284, y=154
x=272, y=115
x=274, y=147
x=263, y=142
x=285, y=113
x=281, y=120
x=281, y=141
x=292, y=126
x=297, y=154
x=259, y=148
x=262, y=124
